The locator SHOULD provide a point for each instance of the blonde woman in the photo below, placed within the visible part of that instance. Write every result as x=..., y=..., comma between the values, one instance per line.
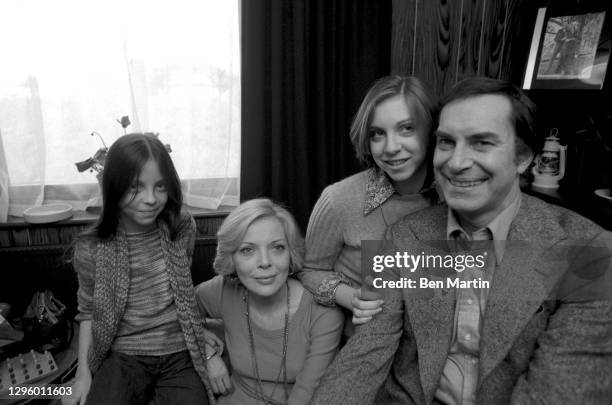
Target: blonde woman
x=279, y=340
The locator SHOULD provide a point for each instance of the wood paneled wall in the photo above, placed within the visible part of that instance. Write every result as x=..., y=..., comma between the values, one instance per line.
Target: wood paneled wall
x=444, y=41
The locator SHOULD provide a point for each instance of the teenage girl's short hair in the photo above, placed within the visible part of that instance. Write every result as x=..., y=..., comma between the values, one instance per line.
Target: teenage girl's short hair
x=232, y=231
x=411, y=88
x=124, y=162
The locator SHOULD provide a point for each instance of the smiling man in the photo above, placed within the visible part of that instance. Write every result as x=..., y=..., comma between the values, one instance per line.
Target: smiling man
x=542, y=333
x=478, y=158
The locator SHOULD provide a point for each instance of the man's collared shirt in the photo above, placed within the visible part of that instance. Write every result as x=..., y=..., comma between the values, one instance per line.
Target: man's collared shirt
x=459, y=378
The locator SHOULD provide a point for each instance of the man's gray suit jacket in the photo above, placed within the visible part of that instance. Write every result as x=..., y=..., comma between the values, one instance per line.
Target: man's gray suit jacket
x=543, y=340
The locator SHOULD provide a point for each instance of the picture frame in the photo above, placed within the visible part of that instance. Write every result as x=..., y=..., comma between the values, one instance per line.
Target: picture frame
x=570, y=49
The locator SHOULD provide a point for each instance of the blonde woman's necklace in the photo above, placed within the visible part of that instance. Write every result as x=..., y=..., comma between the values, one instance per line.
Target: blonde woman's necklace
x=260, y=396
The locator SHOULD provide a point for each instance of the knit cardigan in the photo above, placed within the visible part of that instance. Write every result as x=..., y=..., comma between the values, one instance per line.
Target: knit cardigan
x=112, y=281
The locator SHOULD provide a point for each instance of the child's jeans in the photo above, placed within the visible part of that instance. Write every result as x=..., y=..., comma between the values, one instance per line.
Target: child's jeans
x=132, y=380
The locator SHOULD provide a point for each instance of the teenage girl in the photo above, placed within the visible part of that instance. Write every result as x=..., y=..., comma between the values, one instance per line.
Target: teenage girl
x=392, y=134
x=141, y=336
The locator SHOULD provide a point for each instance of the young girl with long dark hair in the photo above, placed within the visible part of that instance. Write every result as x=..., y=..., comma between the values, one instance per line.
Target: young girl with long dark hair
x=141, y=336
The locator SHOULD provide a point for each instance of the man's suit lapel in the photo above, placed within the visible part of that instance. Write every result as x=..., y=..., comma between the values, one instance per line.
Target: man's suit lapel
x=432, y=324
x=516, y=293
x=432, y=317
x=520, y=284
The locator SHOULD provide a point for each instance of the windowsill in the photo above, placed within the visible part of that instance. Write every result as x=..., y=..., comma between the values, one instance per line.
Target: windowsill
x=82, y=192
x=88, y=217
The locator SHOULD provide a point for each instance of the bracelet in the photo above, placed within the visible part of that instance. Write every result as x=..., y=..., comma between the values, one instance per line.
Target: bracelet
x=326, y=292
x=333, y=292
x=210, y=356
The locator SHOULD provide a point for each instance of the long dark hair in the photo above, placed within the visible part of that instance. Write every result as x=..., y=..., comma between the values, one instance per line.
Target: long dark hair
x=124, y=162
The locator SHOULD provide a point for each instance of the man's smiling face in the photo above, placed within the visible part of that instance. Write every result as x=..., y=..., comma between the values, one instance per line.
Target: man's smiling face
x=475, y=159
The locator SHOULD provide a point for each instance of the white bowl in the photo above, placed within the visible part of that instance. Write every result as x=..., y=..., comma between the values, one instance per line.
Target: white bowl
x=604, y=193
x=45, y=214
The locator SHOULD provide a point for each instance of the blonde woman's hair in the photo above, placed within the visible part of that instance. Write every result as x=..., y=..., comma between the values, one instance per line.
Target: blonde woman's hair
x=232, y=231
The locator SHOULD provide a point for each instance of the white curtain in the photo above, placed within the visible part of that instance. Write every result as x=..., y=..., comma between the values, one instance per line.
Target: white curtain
x=72, y=67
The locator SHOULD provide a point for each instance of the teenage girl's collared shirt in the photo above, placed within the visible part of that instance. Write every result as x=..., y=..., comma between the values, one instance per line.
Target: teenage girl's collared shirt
x=360, y=207
x=459, y=378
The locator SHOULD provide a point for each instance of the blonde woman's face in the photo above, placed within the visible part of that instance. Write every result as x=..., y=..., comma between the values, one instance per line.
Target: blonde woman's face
x=262, y=260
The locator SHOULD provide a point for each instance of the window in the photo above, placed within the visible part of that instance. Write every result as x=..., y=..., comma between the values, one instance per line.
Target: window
x=72, y=67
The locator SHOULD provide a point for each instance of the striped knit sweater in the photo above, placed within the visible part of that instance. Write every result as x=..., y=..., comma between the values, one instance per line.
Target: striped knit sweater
x=110, y=283
x=149, y=326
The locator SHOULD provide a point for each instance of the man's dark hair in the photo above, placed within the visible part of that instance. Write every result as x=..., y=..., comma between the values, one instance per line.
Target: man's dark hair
x=523, y=109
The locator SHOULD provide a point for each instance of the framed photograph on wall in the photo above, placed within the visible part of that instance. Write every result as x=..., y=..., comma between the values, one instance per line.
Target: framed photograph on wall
x=569, y=50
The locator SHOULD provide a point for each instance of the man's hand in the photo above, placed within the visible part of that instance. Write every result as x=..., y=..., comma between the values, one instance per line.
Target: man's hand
x=80, y=389
x=218, y=375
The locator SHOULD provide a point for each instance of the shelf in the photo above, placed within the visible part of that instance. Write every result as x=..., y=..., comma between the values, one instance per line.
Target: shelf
x=585, y=203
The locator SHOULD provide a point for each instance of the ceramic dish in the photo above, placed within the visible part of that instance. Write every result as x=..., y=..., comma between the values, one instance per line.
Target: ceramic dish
x=604, y=193
x=45, y=214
